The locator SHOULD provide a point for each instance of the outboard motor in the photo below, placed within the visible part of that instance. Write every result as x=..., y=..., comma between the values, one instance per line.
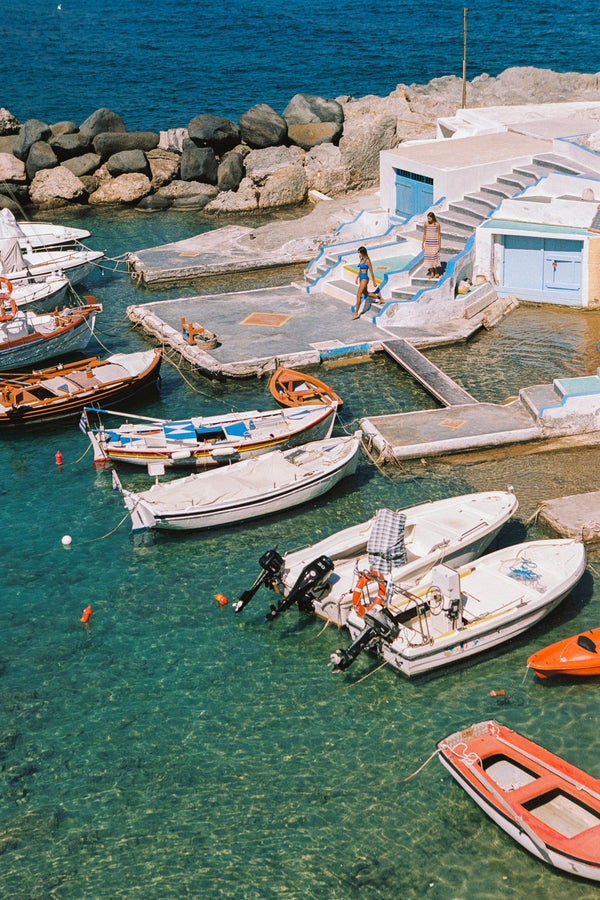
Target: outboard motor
x=271, y=564
x=447, y=581
x=379, y=623
x=312, y=584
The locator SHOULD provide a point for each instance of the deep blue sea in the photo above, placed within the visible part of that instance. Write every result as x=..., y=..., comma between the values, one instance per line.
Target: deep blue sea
x=180, y=750
x=158, y=63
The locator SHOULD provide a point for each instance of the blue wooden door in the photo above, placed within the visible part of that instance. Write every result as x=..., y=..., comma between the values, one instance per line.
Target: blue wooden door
x=414, y=193
x=562, y=265
x=543, y=268
x=522, y=262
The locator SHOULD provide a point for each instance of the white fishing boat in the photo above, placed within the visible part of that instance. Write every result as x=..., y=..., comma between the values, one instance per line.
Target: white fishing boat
x=28, y=337
x=244, y=490
x=23, y=265
x=39, y=235
x=542, y=801
x=405, y=542
x=42, y=296
x=203, y=441
x=454, y=614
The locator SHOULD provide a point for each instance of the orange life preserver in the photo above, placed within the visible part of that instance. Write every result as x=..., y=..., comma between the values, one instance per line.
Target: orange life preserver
x=7, y=316
x=363, y=581
x=8, y=290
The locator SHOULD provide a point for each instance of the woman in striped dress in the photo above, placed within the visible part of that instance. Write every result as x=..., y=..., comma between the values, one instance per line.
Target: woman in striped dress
x=432, y=244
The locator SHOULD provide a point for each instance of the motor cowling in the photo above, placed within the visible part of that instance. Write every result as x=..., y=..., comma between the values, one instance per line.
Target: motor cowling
x=271, y=564
x=380, y=624
x=312, y=584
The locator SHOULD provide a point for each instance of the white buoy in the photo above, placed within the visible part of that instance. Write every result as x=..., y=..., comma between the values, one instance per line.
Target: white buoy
x=66, y=540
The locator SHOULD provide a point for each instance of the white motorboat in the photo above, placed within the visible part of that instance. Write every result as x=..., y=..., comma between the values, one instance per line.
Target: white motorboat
x=42, y=296
x=244, y=490
x=28, y=337
x=405, y=542
x=39, y=235
x=203, y=441
x=454, y=614
x=22, y=266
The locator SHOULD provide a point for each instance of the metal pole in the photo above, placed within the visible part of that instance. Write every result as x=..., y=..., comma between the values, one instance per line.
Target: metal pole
x=464, y=82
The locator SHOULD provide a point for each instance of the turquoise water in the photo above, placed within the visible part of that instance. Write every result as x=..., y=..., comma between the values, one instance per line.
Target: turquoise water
x=182, y=751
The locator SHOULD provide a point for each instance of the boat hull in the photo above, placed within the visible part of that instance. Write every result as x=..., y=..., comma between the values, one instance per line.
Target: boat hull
x=548, y=806
x=39, y=348
x=284, y=497
x=569, y=657
x=292, y=388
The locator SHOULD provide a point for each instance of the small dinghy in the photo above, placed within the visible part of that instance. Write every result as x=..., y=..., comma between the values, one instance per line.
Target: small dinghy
x=452, y=615
x=203, y=441
x=408, y=542
x=60, y=392
x=550, y=807
x=576, y=655
x=29, y=338
x=291, y=388
x=244, y=490
x=42, y=296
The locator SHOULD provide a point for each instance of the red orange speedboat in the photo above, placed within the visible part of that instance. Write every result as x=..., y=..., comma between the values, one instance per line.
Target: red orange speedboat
x=576, y=655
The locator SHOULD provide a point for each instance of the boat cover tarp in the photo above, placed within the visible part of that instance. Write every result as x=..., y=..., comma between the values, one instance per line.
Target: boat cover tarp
x=240, y=481
x=386, y=542
x=11, y=258
x=9, y=227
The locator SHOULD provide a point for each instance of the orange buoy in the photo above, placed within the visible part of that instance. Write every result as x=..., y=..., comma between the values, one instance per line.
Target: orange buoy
x=86, y=614
x=221, y=599
x=500, y=693
x=58, y=458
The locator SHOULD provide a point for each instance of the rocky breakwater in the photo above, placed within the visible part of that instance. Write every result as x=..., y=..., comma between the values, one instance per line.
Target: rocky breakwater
x=265, y=160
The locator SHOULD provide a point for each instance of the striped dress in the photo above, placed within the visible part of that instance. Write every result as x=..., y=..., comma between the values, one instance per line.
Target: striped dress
x=431, y=250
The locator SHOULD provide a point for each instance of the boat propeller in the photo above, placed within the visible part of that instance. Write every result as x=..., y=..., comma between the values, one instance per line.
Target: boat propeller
x=271, y=564
x=312, y=584
x=379, y=623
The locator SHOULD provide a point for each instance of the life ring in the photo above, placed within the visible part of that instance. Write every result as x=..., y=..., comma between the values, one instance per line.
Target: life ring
x=4, y=315
x=363, y=581
x=8, y=291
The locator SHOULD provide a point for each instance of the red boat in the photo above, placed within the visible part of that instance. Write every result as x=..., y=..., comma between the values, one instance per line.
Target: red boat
x=543, y=802
x=576, y=655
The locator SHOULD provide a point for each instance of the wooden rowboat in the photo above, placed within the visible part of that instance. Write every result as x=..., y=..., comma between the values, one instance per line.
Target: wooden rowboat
x=63, y=391
x=547, y=805
x=291, y=388
x=576, y=655
x=28, y=338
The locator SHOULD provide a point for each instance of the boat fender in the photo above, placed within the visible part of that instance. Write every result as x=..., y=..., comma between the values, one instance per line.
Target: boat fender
x=7, y=314
x=361, y=584
x=221, y=599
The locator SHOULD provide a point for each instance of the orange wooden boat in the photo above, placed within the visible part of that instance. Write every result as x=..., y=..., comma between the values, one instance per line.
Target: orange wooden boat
x=291, y=388
x=576, y=655
x=63, y=391
x=547, y=805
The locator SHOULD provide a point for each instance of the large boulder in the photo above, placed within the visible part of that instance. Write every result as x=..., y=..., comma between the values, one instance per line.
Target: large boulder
x=153, y=203
x=128, y=188
x=70, y=144
x=108, y=143
x=360, y=145
x=11, y=168
x=82, y=165
x=306, y=108
x=8, y=123
x=314, y=133
x=198, y=164
x=262, y=127
x=172, y=139
x=230, y=171
x=40, y=156
x=10, y=203
x=127, y=161
x=55, y=187
x=32, y=131
x=213, y=131
x=177, y=189
x=65, y=127
x=164, y=166
x=242, y=200
x=100, y=121
x=285, y=187
x=326, y=171
x=260, y=164
x=194, y=201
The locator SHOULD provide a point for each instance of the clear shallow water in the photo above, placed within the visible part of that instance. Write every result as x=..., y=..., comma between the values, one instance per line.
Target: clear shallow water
x=158, y=64
x=183, y=751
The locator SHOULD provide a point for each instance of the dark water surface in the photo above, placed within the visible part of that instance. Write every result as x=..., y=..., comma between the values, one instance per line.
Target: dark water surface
x=182, y=751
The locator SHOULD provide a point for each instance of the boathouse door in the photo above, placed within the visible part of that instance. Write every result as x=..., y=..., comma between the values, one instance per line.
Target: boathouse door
x=543, y=269
x=414, y=193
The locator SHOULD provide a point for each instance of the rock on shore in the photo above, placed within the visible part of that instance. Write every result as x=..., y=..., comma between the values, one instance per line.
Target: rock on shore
x=264, y=161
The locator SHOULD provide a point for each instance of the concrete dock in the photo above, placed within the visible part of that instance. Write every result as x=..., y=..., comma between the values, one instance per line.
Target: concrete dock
x=576, y=516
